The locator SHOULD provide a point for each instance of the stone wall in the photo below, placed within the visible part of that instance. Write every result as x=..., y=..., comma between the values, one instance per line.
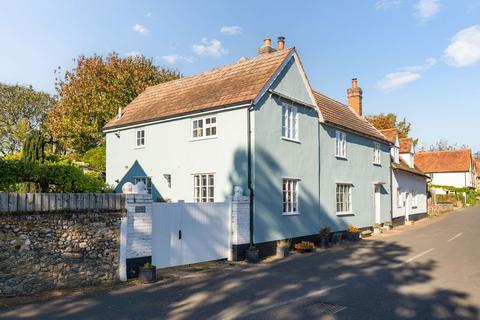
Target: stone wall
x=42, y=251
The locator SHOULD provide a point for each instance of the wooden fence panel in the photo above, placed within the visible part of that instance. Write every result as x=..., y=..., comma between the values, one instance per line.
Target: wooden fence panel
x=41, y=202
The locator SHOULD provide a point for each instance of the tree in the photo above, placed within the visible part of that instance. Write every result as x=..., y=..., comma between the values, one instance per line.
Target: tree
x=443, y=145
x=22, y=109
x=92, y=92
x=389, y=121
x=34, y=147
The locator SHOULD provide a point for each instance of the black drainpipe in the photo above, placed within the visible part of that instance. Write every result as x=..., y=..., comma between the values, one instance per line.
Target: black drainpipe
x=249, y=165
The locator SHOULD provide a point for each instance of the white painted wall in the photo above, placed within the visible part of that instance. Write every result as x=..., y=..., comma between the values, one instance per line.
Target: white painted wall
x=454, y=179
x=408, y=158
x=408, y=183
x=170, y=149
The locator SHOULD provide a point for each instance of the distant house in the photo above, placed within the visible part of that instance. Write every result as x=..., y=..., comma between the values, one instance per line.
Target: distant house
x=409, y=183
x=454, y=168
x=477, y=169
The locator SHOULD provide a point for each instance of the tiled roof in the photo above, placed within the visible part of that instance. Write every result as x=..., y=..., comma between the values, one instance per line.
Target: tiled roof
x=405, y=167
x=232, y=84
x=338, y=114
x=444, y=161
x=390, y=134
x=406, y=145
x=477, y=167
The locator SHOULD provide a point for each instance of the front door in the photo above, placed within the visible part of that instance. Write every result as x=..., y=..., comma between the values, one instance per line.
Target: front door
x=377, y=203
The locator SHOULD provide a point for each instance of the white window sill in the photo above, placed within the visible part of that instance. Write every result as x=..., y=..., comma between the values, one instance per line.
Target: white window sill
x=342, y=214
x=203, y=138
x=291, y=140
x=290, y=213
x=341, y=158
x=139, y=147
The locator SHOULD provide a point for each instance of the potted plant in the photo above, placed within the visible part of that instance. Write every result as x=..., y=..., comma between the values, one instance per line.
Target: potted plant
x=252, y=254
x=377, y=228
x=353, y=233
x=304, y=246
x=324, y=235
x=337, y=238
x=283, y=246
x=147, y=273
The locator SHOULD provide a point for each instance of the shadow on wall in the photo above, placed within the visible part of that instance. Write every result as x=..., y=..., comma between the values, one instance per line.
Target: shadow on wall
x=137, y=171
x=373, y=288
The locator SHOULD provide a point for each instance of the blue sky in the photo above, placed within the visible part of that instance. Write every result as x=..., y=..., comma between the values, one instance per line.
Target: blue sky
x=417, y=58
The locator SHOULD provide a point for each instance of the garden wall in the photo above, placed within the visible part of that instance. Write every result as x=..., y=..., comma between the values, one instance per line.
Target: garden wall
x=58, y=249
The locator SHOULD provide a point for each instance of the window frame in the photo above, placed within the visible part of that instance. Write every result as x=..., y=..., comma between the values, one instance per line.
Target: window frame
x=349, y=188
x=142, y=139
x=289, y=194
x=209, y=187
x=147, y=180
x=414, y=199
x=290, y=123
x=377, y=154
x=340, y=144
x=204, y=127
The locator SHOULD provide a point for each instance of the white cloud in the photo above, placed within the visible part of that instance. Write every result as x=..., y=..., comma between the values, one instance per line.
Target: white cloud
x=464, y=48
x=173, y=58
x=133, y=54
x=396, y=80
x=403, y=76
x=209, y=48
x=426, y=9
x=231, y=30
x=385, y=4
x=140, y=29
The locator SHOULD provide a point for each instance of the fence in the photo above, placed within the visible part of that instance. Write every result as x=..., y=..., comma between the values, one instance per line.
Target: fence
x=39, y=202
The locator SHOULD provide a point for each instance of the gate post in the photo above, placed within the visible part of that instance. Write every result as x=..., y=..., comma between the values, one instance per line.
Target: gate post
x=240, y=224
x=135, y=231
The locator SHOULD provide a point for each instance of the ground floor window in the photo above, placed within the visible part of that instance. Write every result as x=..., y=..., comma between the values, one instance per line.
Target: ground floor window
x=290, y=196
x=147, y=181
x=204, y=187
x=414, y=199
x=344, y=198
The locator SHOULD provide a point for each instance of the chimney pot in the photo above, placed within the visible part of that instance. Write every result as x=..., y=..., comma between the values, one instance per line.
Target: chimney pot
x=281, y=43
x=354, y=96
x=267, y=47
x=267, y=42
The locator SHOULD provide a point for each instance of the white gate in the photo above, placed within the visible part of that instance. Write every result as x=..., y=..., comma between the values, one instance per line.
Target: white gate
x=185, y=233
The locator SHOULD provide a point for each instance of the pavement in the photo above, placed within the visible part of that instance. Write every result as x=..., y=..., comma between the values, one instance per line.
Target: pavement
x=430, y=270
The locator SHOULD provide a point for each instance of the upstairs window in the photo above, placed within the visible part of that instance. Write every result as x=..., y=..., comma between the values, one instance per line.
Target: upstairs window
x=140, y=138
x=376, y=153
x=204, y=187
x=290, y=196
x=341, y=144
x=289, y=122
x=204, y=127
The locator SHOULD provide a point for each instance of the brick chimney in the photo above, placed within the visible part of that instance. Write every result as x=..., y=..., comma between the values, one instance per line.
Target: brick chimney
x=354, y=95
x=267, y=47
x=281, y=43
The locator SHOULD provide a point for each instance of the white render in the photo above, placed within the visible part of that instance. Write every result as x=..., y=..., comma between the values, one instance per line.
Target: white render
x=453, y=179
x=170, y=149
x=409, y=184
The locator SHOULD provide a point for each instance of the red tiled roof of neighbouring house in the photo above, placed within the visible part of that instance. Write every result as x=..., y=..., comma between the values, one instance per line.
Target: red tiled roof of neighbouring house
x=406, y=145
x=390, y=134
x=338, y=114
x=405, y=167
x=444, y=161
x=477, y=167
x=232, y=84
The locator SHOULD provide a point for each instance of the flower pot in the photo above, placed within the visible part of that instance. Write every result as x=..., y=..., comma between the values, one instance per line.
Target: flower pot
x=147, y=275
x=282, y=252
x=252, y=256
x=324, y=242
x=353, y=236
